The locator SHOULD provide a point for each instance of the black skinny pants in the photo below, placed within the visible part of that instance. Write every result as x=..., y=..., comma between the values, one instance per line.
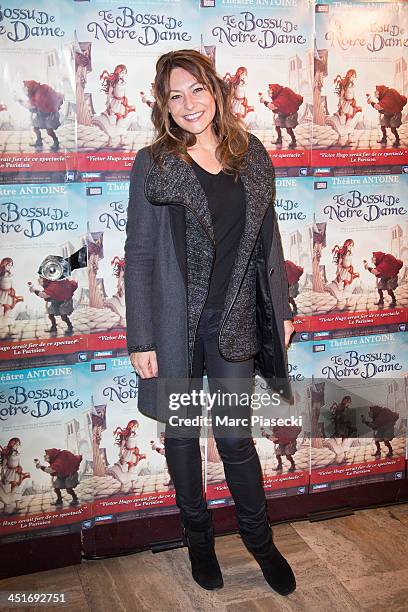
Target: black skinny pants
x=236, y=448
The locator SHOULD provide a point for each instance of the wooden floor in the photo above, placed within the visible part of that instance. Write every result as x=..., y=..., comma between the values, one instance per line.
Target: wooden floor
x=358, y=562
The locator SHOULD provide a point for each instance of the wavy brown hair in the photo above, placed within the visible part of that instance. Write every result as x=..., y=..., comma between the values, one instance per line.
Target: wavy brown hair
x=171, y=138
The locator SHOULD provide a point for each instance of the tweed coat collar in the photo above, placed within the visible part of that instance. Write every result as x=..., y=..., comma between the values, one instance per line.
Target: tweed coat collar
x=176, y=183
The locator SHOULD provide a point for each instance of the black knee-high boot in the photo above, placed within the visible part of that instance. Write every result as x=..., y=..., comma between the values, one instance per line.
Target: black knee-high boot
x=184, y=463
x=244, y=480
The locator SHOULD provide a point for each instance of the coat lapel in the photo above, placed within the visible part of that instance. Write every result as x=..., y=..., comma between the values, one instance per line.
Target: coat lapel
x=258, y=180
x=176, y=182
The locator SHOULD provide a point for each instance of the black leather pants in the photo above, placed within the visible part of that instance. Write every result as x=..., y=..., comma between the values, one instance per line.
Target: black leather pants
x=235, y=445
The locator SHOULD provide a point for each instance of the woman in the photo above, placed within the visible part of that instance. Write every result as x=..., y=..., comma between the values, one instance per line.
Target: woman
x=203, y=253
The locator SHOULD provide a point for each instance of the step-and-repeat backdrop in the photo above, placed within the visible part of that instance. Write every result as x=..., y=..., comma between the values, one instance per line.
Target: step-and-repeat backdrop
x=324, y=85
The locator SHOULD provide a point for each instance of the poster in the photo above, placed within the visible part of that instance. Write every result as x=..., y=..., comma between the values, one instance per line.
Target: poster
x=281, y=434
x=253, y=47
x=37, y=99
x=45, y=408
x=43, y=275
x=360, y=84
x=130, y=475
x=360, y=246
x=294, y=207
x=106, y=208
x=359, y=410
x=116, y=49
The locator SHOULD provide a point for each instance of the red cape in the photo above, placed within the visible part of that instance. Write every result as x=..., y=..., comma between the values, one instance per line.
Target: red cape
x=293, y=272
x=386, y=264
x=63, y=462
x=383, y=416
x=43, y=97
x=61, y=290
x=390, y=99
x=285, y=99
x=285, y=434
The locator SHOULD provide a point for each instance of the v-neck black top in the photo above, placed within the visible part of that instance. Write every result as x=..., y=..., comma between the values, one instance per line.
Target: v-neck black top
x=226, y=200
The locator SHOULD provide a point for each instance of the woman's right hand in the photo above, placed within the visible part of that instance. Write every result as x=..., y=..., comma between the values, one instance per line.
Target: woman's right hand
x=145, y=364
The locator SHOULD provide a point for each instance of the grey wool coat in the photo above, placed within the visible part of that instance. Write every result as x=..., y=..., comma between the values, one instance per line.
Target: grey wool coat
x=169, y=255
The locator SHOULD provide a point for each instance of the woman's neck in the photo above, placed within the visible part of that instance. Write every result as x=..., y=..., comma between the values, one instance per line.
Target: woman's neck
x=205, y=142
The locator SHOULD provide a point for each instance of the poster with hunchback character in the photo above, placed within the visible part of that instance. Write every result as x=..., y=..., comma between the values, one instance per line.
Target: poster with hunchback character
x=359, y=410
x=264, y=52
x=43, y=270
x=45, y=450
x=360, y=251
x=130, y=474
x=281, y=433
x=360, y=84
x=37, y=91
x=105, y=204
x=116, y=49
x=294, y=206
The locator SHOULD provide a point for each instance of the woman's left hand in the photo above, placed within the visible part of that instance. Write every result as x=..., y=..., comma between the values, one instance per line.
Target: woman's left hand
x=289, y=329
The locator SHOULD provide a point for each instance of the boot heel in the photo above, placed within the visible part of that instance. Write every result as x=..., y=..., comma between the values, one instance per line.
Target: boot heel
x=275, y=569
x=204, y=564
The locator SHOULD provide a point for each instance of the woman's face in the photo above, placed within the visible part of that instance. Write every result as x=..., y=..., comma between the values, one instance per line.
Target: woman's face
x=190, y=104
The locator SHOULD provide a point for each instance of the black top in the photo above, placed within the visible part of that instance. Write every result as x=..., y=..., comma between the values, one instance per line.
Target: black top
x=226, y=199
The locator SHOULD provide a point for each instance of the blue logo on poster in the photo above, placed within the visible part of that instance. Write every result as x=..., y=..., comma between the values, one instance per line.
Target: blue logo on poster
x=82, y=357
x=86, y=524
x=302, y=171
x=301, y=489
x=398, y=475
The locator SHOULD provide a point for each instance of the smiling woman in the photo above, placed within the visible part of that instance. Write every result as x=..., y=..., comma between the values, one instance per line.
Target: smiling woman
x=206, y=286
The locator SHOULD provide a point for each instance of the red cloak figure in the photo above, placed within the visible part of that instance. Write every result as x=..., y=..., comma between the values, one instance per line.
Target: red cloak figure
x=293, y=272
x=284, y=436
x=63, y=467
x=383, y=424
x=58, y=298
x=285, y=104
x=386, y=268
x=390, y=104
x=44, y=103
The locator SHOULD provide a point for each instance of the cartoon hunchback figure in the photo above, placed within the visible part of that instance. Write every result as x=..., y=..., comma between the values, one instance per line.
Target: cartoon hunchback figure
x=341, y=419
x=383, y=425
x=389, y=104
x=238, y=83
x=284, y=438
x=385, y=269
x=8, y=296
x=115, y=118
x=159, y=447
x=63, y=468
x=293, y=272
x=126, y=439
x=44, y=103
x=57, y=293
x=11, y=473
x=285, y=105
